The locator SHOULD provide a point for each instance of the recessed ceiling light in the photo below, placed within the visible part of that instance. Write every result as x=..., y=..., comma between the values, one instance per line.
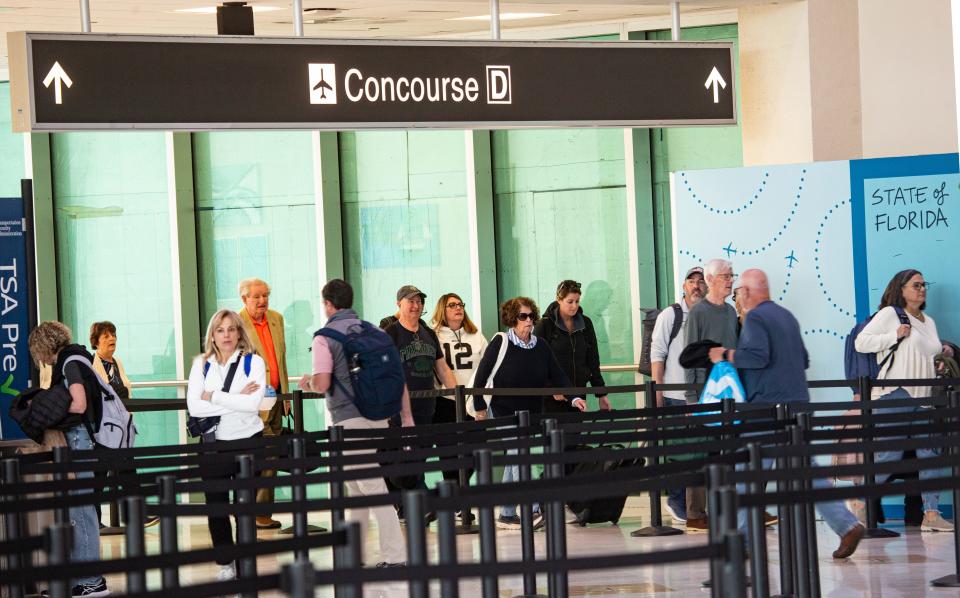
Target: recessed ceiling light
x=210, y=10
x=507, y=16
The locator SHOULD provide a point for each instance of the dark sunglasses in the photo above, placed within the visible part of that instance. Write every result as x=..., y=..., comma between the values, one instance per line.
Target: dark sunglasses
x=455, y=305
x=524, y=316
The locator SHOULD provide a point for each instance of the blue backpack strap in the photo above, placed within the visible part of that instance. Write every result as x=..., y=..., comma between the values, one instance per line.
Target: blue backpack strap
x=206, y=368
x=247, y=360
x=332, y=334
x=904, y=319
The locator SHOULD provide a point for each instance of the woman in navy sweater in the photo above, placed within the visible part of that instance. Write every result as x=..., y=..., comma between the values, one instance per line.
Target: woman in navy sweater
x=526, y=364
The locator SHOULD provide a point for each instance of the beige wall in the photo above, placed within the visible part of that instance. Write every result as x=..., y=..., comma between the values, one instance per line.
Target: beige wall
x=845, y=79
x=907, y=77
x=775, y=84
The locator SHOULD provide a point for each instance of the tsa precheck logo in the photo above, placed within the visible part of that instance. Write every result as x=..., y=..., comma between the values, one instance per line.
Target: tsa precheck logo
x=323, y=83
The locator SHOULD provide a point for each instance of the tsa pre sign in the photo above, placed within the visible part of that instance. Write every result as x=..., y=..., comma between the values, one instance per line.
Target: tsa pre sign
x=14, y=355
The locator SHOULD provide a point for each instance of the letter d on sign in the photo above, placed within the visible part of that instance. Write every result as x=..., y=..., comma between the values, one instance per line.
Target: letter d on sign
x=498, y=85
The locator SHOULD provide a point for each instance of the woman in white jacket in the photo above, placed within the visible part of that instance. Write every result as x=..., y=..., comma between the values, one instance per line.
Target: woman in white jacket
x=236, y=399
x=902, y=327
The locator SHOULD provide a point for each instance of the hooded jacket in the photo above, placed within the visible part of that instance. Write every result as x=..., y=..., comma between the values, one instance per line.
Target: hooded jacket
x=576, y=351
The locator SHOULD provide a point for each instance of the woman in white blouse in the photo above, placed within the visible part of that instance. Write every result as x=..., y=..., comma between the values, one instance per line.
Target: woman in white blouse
x=914, y=343
x=237, y=398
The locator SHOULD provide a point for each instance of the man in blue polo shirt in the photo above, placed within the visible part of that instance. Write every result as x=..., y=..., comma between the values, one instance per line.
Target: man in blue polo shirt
x=772, y=361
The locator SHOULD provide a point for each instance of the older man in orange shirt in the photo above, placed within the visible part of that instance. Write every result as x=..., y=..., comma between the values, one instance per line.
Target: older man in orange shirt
x=265, y=328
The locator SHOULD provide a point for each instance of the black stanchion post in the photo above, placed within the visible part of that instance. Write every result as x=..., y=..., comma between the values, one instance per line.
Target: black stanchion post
x=866, y=390
x=466, y=515
x=61, y=454
x=59, y=541
x=716, y=479
x=337, y=488
x=527, y=546
x=488, y=530
x=734, y=579
x=788, y=572
x=246, y=523
x=298, y=412
x=656, y=527
x=300, y=527
x=953, y=580
x=413, y=507
x=11, y=525
x=758, y=536
x=549, y=425
x=170, y=576
x=135, y=545
x=556, y=526
x=447, y=540
x=298, y=579
x=348, y=556
x=813, y=555
x=800, y=537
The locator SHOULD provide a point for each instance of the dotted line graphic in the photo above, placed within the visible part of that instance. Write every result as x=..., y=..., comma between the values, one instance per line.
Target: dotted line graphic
x=826, y=331
x=816, y=258
x=709, y=208
x=786, y=285
x=783, y=229
x=691, y=255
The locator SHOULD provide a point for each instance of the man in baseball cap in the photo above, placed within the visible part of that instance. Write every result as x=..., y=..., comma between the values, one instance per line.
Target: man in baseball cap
x=408, y=291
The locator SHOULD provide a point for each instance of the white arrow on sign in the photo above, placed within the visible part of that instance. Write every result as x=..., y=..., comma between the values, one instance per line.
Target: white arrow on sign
x=58, y=77
x=715, y=79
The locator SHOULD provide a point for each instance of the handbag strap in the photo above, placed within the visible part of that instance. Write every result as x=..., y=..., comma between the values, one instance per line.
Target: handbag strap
x=496, y=366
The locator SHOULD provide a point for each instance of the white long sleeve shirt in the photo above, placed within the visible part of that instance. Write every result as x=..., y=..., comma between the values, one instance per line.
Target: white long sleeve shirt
x=239, y=413
x=661, y=349
x=462, y=351
x=914, y=357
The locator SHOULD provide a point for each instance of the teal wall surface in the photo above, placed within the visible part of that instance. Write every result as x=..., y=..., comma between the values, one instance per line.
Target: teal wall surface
x=114, y=254
x=11, y=149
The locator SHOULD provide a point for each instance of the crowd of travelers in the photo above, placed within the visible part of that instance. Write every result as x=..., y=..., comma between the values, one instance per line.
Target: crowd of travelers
x=233, y=384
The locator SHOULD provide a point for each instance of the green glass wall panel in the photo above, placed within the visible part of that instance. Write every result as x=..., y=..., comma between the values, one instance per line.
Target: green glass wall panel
x=11, y=148
x=560, y=209
x=113, y=255
x=256, y=218
x=404, y=216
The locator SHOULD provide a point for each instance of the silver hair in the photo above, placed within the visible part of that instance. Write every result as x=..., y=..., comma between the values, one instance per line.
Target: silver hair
x=246, y=283
x=716, y=266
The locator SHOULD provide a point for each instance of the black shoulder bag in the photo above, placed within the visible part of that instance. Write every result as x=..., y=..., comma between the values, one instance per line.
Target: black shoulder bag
x=206, y=427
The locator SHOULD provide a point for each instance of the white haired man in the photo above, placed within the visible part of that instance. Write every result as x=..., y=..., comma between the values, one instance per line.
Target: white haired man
x=265, y=328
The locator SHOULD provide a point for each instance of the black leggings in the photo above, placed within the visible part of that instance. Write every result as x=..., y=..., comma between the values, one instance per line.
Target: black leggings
x=221, y=531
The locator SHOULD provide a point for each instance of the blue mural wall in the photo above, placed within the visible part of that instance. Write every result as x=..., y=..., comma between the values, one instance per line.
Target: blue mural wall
x=829, y=235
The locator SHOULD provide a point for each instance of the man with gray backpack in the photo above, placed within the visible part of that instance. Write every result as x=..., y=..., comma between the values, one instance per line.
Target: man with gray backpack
x=358, y=367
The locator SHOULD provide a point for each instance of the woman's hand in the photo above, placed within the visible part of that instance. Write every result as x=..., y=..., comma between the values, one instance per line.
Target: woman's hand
x=250, y=388
x=948, y=350
x=604, y=403
x=579, y=403
x=480, y=415
x=559, y=398
x=207, y=395
x=903, y=332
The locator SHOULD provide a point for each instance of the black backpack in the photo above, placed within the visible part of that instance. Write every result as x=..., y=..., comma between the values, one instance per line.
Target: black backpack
x=38, y=409
x=649, y=321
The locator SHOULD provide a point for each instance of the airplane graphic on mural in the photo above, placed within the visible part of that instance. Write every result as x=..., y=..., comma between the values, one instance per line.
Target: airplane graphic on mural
x=791, y=259
x=730, y=250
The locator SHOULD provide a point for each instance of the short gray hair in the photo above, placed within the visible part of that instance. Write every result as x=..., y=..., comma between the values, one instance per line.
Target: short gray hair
x=716, y=266
x=246, y=283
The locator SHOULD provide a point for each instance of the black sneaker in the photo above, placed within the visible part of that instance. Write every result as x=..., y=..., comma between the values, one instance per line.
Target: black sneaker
x=85, y=590
x=508, y=522
x=538, y=520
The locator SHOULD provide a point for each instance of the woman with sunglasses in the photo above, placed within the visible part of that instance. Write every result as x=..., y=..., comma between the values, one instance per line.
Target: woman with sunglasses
x=572, y=337
x=527, y=363
x=905, y=340
x=463, y=346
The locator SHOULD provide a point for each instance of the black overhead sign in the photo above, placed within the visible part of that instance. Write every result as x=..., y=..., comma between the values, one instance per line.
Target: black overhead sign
x=85, y=81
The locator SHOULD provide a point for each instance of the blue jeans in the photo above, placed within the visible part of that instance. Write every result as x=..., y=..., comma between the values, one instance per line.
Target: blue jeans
x=931, y=500
x=86, y=526
x=511, y=473
x=676, y=495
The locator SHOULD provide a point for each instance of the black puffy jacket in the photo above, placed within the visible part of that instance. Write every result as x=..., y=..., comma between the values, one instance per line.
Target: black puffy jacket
x=576, y=351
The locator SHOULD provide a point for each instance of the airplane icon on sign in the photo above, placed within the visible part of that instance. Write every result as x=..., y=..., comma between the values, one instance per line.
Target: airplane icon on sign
x=323, y=86
x=791, y=259
x=730, y=250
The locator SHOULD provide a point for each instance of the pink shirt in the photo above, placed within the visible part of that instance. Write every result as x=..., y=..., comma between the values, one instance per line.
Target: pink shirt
x=322, y=358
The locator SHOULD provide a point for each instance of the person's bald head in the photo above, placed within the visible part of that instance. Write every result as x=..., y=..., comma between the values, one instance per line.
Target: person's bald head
x=754, y=282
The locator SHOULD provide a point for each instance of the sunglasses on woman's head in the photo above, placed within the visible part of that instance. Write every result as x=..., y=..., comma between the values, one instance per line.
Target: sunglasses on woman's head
x=524, y=315
x=568, y=286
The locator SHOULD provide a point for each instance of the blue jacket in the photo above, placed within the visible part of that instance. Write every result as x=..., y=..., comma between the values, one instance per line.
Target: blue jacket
x=771, y=356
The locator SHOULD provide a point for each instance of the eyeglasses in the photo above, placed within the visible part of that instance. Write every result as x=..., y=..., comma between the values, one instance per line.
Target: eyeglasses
x=525, y=315
x=918, y=285
x=456, y=305
x=726, y=276
x=568, y=286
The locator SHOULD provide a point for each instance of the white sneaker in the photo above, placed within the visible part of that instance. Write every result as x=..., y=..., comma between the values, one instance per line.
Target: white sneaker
x=569, y=516
x=934, y=522
x=227, y=572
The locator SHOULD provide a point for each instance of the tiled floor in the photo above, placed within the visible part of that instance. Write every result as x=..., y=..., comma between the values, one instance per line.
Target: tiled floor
x=881, y=568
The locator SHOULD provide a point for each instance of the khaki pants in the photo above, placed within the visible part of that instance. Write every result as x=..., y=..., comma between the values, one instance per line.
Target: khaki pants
x=272, y=425
x=393, y=547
